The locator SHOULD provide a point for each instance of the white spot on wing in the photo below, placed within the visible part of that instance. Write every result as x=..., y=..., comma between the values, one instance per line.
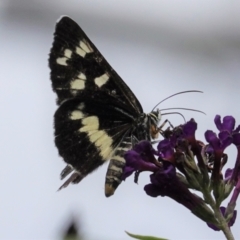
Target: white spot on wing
x=82, y=76
x=107, y=151
x=101, y=80
x=76, y=114
x=105, y=145
x=81, y=106
x=77, y=84
x=90, y=123
x=67, y=53
x=62, y=61
x=83, y=48
x=95, y=135
x=80, y=52
x=74, y=92
x=98, y=137
x=103, y=142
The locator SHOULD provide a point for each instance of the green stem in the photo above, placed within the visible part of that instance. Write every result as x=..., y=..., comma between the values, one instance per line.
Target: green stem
x=223, y=225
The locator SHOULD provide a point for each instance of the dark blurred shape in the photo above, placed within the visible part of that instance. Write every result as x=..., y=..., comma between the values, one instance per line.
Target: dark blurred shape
x=72, y=232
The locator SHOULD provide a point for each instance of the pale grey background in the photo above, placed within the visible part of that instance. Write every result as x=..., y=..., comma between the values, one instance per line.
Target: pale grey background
x=158, y=48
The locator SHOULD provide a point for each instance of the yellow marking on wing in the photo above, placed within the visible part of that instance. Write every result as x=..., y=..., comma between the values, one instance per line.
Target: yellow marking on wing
x=101, y=80
x=76, y=114
x=80, y=52
x=77, y=84
x=98, y=137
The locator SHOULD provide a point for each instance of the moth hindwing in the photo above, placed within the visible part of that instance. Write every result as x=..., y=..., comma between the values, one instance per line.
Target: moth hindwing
x=98, y=118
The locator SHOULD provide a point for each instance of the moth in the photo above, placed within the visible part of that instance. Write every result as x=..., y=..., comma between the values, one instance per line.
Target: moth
x=98, y=116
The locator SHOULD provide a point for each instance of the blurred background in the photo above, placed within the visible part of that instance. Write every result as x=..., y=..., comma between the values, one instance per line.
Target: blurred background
x=158, y=48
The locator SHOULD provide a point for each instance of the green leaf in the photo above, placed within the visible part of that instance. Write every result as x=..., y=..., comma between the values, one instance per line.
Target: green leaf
x=144, y=237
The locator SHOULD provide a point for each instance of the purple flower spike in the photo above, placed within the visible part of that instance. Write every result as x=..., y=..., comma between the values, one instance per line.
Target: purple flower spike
x=218, y=143
x=236, y=139
x=237, y=130
x=230, y=223
x=228, y=174
x=143, y=146
x=228, y=123
x=166, y=148
x=165, y=183
x=127, y=171
x=235, y=179
x=141, y=158
x=226, y=128
x=189, y=129
x=145, y=149
x=137, y=162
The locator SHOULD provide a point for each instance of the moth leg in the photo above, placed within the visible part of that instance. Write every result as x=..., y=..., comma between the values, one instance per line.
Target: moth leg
x=160, y=128
x=155, y=131
x=164, y=123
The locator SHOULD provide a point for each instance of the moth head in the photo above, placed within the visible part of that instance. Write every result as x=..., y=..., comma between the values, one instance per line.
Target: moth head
x=156, y=115
x=155, y=118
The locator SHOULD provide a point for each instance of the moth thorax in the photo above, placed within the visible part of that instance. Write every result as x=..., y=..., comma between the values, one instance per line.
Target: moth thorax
x=154, y=119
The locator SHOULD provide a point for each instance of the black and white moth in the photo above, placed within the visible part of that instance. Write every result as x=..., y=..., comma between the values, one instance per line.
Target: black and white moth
x=98, y=118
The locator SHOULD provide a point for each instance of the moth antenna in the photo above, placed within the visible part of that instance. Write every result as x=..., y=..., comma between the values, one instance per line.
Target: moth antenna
x=189, y=91
x=188, y=109
x=175, y=113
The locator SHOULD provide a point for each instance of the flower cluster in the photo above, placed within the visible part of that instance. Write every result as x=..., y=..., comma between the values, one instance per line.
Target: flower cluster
x=182, y=163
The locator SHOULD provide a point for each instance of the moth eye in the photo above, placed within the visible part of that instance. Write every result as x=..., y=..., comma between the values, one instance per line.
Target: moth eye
x=113, y=92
